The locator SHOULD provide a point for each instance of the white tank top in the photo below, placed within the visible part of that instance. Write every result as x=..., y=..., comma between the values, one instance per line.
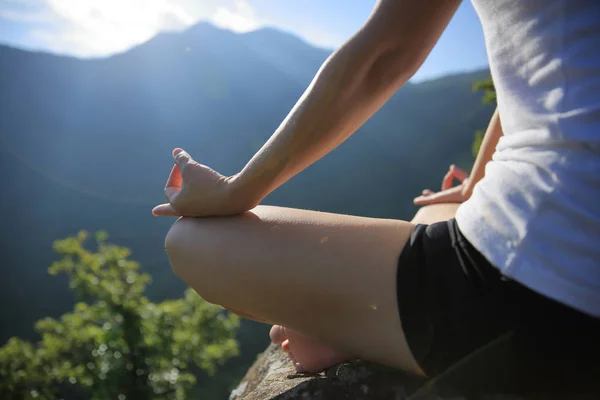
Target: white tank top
x=536, y=214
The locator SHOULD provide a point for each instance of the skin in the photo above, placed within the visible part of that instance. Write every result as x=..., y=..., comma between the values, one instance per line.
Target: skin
x=310, y=355
x=463, y=191
x=354, y=82
x=330, y=278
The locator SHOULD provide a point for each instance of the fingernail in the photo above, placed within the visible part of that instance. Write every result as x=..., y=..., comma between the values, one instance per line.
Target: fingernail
x=176, y=151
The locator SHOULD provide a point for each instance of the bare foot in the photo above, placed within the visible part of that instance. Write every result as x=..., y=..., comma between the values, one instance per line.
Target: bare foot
x=307, y=355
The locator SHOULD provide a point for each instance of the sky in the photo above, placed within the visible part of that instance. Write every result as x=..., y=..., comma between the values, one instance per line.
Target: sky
x=97, y=28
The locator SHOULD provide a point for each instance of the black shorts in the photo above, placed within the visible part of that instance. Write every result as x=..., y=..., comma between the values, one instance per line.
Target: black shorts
x=456, y=308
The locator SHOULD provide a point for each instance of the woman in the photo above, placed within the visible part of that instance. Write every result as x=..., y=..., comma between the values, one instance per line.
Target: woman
x=521, y=256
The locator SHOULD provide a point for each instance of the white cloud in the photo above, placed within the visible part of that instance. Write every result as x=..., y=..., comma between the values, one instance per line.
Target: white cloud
x=24, y=16
x=241, y=19
x=100, y=27
x=28, y=11
x=103, y=27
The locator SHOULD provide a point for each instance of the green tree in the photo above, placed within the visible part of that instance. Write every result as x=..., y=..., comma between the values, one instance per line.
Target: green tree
x=489, y=96
x=116, y=344
x=489, y=91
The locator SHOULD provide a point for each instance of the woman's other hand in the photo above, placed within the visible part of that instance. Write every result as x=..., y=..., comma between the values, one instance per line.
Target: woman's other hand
x=448, y=194
x=195, y=190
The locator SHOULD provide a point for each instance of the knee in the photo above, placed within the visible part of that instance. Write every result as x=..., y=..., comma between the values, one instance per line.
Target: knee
x=203, y=252
x=176, y=246
x=176, y=235
x=191, y=255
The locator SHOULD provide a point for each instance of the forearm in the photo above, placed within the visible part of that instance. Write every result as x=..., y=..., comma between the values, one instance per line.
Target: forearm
x=339, y=100
x=349, y=88
x=486, y=151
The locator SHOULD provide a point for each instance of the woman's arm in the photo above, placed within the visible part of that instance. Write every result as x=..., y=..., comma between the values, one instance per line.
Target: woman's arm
x=349, y=88
x=462, y=192
x=486, y=151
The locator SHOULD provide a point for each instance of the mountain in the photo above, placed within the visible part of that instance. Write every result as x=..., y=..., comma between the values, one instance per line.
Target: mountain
x=85, y=144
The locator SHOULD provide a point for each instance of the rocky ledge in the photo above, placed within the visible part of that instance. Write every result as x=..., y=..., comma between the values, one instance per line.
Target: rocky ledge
x=272, y=377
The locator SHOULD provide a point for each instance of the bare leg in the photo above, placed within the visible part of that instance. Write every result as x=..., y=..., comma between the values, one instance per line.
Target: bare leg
x=330, y=277
x=310, y=355
x=435, y=213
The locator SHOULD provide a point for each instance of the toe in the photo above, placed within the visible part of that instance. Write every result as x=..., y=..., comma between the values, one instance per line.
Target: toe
x=299, y=368
x=285, y=346
x=277, y=334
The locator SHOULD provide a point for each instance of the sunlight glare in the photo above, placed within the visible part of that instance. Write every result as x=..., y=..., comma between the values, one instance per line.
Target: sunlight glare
x=103, y=26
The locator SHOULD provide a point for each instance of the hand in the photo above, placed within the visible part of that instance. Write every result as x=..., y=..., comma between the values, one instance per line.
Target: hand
x=195, y=190
x=448, y=194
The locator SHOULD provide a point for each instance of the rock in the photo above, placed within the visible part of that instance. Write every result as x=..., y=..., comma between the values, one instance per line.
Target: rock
x=272, y=377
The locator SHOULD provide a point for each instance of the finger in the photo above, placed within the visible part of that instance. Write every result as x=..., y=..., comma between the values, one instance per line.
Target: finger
x=433, y=199
x=459, y=173
x=171, y=194
x=422, y=200
x=452, y=195
x=448, y=178
x=182, y=158
x=165, y=210
x=174, y=180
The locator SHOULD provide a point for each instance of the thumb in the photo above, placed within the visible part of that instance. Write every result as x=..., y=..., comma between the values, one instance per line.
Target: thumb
x=172, y=194
x=165, y=210
x=439, y=197
x=422, y=200
x=182, y=158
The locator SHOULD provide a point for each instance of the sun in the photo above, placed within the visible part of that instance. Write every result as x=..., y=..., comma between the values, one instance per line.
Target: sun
x=108, y=26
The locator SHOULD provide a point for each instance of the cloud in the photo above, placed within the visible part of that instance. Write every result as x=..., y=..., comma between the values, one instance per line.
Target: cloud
x=24, y=11
x=241, y=19
x=24, y=16
x=100, y=27
x=103, y=27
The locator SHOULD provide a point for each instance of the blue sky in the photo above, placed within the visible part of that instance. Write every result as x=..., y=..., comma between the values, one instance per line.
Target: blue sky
x=90, y=28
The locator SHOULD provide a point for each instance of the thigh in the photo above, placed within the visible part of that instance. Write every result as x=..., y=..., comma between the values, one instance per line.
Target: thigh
x=435, y=213
x=329, y=276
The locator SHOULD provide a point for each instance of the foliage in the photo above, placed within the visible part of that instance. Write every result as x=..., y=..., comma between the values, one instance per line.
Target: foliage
x=489, y=96
x=489, y=91
x=116, y=343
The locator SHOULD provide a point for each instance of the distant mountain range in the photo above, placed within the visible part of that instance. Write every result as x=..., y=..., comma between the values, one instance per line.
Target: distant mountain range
x=85, y=144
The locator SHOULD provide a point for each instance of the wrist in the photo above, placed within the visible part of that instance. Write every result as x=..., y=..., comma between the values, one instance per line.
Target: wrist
x=466, y=192
x=241, y=194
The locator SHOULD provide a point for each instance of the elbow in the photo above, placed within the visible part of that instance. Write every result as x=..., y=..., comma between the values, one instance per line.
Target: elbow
x=392, y=69
x=395, y=63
